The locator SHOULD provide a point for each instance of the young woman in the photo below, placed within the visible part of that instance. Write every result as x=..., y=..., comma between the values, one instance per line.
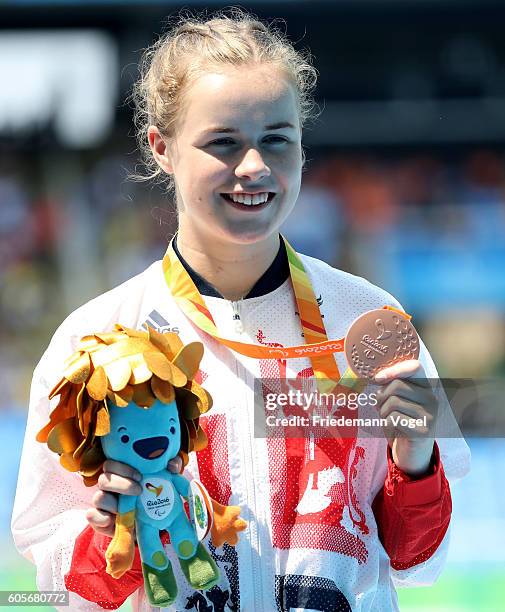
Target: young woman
x=333, y=524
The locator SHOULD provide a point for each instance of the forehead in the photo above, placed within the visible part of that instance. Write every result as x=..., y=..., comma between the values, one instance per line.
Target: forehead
x=239, y=97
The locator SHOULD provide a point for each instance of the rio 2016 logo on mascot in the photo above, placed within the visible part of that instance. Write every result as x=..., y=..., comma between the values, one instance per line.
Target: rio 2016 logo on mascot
x=130, y=396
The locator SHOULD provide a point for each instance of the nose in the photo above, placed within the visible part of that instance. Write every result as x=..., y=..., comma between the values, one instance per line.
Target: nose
x=252, y=166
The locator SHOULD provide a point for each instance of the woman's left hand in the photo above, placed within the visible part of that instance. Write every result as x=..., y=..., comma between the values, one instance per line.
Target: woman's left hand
x=405, y=393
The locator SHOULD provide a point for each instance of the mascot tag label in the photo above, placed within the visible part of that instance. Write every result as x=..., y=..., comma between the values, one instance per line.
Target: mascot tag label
x=157, y=497
x=200, y=509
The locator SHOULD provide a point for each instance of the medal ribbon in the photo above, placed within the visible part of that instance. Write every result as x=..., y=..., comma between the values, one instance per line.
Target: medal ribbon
x=318, y=348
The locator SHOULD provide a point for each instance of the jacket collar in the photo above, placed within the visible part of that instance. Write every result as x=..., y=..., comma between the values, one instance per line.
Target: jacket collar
x=273, y=277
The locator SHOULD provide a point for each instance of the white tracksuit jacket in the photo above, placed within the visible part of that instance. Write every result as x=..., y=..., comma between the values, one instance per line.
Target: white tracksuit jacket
x=301, y=549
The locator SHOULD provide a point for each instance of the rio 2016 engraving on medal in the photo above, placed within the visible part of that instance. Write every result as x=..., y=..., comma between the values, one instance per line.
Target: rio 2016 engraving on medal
x=377, y=339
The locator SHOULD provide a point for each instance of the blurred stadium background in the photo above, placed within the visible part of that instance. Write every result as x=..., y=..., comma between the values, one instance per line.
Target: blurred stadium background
x=405, y=184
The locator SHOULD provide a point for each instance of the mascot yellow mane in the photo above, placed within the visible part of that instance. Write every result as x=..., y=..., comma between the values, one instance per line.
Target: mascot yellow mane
x=123, y=366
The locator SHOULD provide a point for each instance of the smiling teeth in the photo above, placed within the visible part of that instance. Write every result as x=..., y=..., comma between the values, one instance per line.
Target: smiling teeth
x=248, y=199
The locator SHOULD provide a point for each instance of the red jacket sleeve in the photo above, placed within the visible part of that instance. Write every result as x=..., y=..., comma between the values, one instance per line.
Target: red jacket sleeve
x=87, y=576
x=413, y=515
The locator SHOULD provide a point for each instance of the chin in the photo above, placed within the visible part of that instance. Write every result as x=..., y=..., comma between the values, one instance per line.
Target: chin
x=251, y=232
x=251, y=235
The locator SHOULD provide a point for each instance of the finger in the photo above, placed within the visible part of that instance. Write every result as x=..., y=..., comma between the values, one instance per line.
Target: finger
x=175, y=465
x=106, y=531
x=104, y=522
x=105, y=501
x=398, y=425
x=410, y=368
x=121, y=469
x=99, y=518
x=407, y=390
x=118, y=484
x=406, y=408
x=402, y=369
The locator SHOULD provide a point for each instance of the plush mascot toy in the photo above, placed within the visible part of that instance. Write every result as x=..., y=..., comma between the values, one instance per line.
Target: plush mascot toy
x=131, y=396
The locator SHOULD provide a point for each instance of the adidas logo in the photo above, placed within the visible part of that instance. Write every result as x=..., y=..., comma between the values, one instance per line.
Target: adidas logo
x=159, y=323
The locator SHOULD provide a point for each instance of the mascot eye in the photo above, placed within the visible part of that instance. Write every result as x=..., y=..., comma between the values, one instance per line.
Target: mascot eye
x=125, y=439
x=172, y=430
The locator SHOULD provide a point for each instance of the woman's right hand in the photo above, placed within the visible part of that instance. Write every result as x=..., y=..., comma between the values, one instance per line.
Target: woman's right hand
x=117, y=478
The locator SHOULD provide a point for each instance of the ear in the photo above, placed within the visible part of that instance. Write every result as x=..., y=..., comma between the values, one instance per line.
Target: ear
x=159, y=149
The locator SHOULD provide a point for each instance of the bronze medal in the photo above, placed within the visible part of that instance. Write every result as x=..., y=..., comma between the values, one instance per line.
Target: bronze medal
x=377, y=339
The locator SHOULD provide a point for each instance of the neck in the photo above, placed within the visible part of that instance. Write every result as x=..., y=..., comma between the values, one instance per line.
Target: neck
x=233, y=269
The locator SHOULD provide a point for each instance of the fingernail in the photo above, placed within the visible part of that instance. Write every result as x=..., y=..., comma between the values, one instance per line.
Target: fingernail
x=380, y=376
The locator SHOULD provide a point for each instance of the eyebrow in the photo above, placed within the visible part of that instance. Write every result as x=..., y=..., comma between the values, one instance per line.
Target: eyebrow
x=228, y=130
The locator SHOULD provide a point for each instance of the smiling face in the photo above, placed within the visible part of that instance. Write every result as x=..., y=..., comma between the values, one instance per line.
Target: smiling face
x=236, y=155
x=143, y=438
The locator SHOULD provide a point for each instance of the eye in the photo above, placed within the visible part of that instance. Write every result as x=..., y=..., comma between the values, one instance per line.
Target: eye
x=274, y=139
x=125, y=439
x=222, y=142
x=172, y=430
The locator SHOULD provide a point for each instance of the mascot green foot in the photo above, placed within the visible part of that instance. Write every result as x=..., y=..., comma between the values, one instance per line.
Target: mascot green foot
x=160, y=585
x=201, y=571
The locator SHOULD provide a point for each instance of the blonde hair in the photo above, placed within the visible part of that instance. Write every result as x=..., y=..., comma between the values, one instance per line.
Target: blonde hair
x=195, y=44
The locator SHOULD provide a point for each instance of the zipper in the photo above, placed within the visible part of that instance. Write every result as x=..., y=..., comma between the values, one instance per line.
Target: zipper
x=239, y=327
x=249, y=460
x=392, y=483
x=248, y=455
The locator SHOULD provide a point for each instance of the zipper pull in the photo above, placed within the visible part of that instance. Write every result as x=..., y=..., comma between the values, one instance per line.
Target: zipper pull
x=239, y=328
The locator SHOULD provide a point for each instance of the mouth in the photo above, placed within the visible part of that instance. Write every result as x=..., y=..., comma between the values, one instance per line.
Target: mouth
x=151, y=448
x=249, y=202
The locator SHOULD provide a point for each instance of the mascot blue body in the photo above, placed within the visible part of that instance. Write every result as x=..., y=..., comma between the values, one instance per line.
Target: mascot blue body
x=146, y=440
